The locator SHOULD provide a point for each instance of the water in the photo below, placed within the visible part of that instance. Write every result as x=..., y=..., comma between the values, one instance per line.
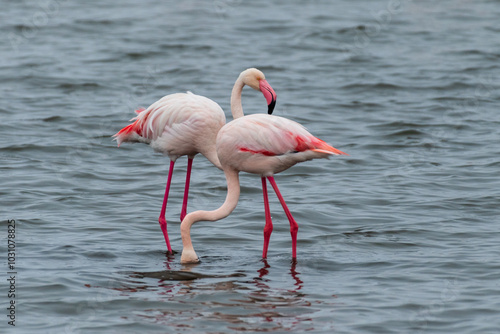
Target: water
x=399, y=237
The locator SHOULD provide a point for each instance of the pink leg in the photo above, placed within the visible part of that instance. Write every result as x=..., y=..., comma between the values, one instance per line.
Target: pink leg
x=186, y=189
x=294, y=227
x=161, y=219
x=268, y=229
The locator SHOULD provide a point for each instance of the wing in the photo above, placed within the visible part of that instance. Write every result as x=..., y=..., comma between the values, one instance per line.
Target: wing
x=273, y=135
x=173, y=116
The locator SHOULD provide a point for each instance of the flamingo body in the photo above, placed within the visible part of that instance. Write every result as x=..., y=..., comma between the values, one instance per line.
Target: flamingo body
x=266, y=144
x=176, y=125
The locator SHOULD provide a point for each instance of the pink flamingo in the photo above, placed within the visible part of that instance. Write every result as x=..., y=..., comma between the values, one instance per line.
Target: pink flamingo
x=187, y=124
x=263, y=145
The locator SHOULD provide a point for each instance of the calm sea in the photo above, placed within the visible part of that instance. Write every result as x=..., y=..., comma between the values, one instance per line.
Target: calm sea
x=399, y=237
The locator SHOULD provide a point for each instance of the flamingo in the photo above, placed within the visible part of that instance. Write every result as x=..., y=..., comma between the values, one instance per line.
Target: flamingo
x=263, y=145
x=187, y=124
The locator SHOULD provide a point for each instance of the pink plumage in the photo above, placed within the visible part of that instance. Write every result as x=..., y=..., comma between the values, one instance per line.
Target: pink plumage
x=178, y=124
x=266, y=144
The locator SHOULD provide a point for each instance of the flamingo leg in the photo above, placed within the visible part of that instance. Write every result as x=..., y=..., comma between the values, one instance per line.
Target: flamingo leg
x=161, y=219
x=186, y=189
x=294, y=227
x=268, y=229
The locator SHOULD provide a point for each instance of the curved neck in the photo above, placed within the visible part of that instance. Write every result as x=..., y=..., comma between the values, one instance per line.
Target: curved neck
x=236, y=107
x=233, y=194
x=211, y=155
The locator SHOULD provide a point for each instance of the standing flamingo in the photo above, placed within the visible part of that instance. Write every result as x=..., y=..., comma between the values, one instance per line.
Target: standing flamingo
x=263, y=145
x=187, y=124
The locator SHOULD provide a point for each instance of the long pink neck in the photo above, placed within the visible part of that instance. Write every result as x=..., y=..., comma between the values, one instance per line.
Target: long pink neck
x=233, y=194
x=211, y=154
x=236, y=107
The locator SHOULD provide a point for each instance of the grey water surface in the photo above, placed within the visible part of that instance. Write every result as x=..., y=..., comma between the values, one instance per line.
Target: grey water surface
x=401, y=236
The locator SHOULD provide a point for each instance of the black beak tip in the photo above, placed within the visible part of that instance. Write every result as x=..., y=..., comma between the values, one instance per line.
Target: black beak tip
x=270, y=107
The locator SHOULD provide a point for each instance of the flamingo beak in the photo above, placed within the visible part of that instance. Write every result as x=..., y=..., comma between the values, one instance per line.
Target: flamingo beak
x=269, y=94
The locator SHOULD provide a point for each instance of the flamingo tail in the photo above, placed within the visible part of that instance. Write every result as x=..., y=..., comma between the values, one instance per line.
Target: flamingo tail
x=322, y=147
x=130, y=133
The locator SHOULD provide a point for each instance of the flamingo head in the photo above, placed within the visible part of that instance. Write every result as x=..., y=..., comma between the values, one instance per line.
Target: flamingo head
x=257, y=80
x=189, y=256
